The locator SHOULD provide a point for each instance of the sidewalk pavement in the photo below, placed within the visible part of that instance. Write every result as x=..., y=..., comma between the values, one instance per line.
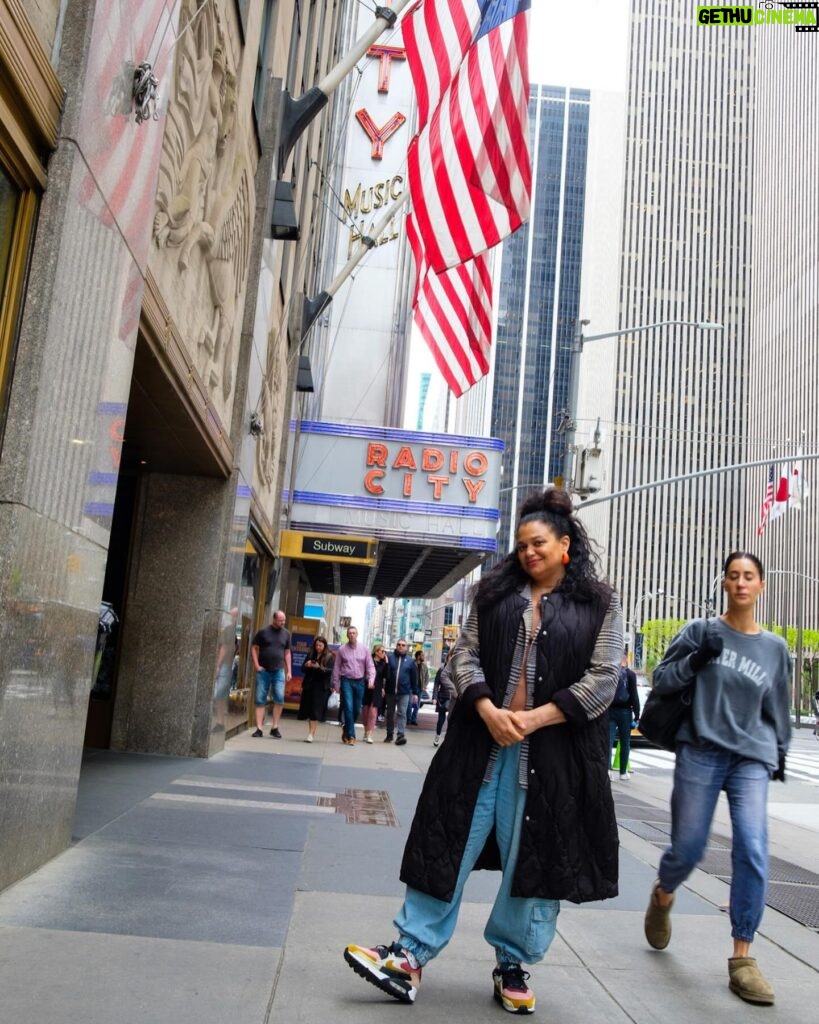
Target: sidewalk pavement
x=225, y=891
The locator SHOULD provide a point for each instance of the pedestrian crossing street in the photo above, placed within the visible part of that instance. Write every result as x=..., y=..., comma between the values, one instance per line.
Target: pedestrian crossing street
x=802, y=763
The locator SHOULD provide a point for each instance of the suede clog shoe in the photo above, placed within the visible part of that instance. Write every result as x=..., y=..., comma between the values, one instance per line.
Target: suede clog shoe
x=746, y=980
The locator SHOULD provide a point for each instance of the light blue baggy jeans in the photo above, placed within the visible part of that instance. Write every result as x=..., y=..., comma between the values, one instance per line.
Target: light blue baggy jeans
x=520, y=930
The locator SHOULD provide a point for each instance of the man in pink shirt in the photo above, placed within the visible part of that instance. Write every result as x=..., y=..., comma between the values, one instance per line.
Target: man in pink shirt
x=352, y=670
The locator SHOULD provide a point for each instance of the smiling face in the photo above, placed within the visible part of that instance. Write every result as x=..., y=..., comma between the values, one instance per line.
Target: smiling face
x=540, y=552
x=742, y=584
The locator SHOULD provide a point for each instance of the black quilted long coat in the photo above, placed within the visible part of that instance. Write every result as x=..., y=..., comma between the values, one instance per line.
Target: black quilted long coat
x=569, y=846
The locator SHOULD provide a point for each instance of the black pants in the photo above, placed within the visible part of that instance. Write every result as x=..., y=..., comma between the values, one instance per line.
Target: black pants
x=620, y=726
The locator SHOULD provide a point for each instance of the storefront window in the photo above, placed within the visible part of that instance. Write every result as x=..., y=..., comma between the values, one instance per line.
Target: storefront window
x=10, y=196
x=9, y=200
x=243, y=614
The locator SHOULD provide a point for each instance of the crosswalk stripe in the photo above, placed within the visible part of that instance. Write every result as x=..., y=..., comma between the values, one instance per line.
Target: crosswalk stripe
x=226, y=801
x=197, y=782
x=801, y=766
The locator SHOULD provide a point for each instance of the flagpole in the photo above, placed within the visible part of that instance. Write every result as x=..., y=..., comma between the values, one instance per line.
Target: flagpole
x=296, y=114
x=313, y=308
x=800, y=591
x=769, y=552
x=787, y=560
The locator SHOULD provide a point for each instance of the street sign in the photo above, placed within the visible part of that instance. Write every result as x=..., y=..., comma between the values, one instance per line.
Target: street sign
x=427, y=632
x=345, y=621
x=324, y=547
x=638, y=650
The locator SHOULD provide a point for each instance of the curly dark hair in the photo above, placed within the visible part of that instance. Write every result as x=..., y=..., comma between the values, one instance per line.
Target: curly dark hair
x=552, y=507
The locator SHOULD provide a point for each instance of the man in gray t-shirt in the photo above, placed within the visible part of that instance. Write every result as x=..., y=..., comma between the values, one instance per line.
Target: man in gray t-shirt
x=270, y=650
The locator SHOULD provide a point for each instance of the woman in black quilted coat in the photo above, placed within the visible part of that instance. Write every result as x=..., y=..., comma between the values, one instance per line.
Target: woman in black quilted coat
x=520, y=783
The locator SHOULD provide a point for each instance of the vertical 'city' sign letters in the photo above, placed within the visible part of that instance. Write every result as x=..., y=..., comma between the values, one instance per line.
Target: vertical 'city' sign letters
x=386, y=55
x=378, y=136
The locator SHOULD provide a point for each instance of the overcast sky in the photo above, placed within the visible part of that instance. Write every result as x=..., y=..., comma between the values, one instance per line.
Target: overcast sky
x=582, y=43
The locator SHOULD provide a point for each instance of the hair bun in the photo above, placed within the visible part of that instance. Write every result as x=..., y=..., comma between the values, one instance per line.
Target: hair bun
x=553, y=499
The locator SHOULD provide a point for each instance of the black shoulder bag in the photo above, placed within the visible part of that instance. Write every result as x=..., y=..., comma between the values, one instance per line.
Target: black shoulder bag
x=663, y=714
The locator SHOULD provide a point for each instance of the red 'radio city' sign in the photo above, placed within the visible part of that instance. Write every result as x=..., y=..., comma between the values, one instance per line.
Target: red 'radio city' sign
x=440, y=468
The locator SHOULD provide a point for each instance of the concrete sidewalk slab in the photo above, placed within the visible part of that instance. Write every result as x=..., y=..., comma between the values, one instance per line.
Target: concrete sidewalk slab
x=599, y=970
x=159, y=890
x=225, y=890
x=53, y=977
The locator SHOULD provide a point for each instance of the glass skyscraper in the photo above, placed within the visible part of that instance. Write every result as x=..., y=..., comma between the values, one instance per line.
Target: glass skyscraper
x=681, y=394
x=539, y=300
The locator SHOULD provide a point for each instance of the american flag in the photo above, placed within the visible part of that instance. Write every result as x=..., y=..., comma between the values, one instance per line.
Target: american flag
x=468, y=168
x=782, y=493
x=767, y=501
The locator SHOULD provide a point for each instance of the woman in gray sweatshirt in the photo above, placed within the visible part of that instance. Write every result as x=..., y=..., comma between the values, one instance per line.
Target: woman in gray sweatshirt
x=735, y=740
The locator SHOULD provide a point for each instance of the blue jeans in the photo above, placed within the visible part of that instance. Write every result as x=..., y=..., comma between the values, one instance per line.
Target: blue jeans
x=520, y=930
x=352, y=694
x=264, y=680
x=620, y=725
x=412, y=712
x=401, y=704
x=699, y=776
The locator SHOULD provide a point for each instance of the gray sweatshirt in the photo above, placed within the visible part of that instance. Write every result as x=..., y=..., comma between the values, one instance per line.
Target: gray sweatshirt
x=742, y=699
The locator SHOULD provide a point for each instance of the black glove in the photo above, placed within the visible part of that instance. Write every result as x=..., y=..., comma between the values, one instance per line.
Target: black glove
x=779, y=774
x=710, y=647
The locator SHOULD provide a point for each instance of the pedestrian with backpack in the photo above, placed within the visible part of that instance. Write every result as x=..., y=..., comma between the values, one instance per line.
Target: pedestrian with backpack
x=624, y=711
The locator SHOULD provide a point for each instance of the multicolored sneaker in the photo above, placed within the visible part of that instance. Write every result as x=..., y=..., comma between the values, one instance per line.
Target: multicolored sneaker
x=511, y=990
x=389, y=968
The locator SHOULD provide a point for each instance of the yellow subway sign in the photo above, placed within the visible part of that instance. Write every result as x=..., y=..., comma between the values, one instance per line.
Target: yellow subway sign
x=324, y=547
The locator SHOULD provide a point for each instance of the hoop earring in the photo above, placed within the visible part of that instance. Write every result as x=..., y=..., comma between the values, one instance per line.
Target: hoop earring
x=564, y=558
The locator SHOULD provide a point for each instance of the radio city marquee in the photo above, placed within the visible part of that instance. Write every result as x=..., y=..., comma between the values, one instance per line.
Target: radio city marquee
x=363, y=200
x=441, y=489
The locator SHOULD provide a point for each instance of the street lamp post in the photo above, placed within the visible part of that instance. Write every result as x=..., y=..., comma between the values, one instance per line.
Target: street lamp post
x=711, y=599
x=635, y=621
x=578, y=341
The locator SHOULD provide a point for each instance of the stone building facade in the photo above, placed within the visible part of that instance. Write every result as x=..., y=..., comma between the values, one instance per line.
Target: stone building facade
x=144, y=323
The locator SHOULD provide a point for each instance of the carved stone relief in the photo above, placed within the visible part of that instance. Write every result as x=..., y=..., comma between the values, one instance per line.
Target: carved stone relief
x=273, y=414
x=204, y=208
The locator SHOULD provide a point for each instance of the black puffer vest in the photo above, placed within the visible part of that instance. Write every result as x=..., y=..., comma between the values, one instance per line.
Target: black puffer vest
x=569, y=846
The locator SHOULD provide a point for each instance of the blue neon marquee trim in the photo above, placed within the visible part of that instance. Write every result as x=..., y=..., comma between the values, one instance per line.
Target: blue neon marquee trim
x=393, y=434
x=392, y=505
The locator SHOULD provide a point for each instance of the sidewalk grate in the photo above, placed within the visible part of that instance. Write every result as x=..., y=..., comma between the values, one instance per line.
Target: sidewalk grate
x=800, y=902
x=654, y=832
x=792, y=890
x=363, y=807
